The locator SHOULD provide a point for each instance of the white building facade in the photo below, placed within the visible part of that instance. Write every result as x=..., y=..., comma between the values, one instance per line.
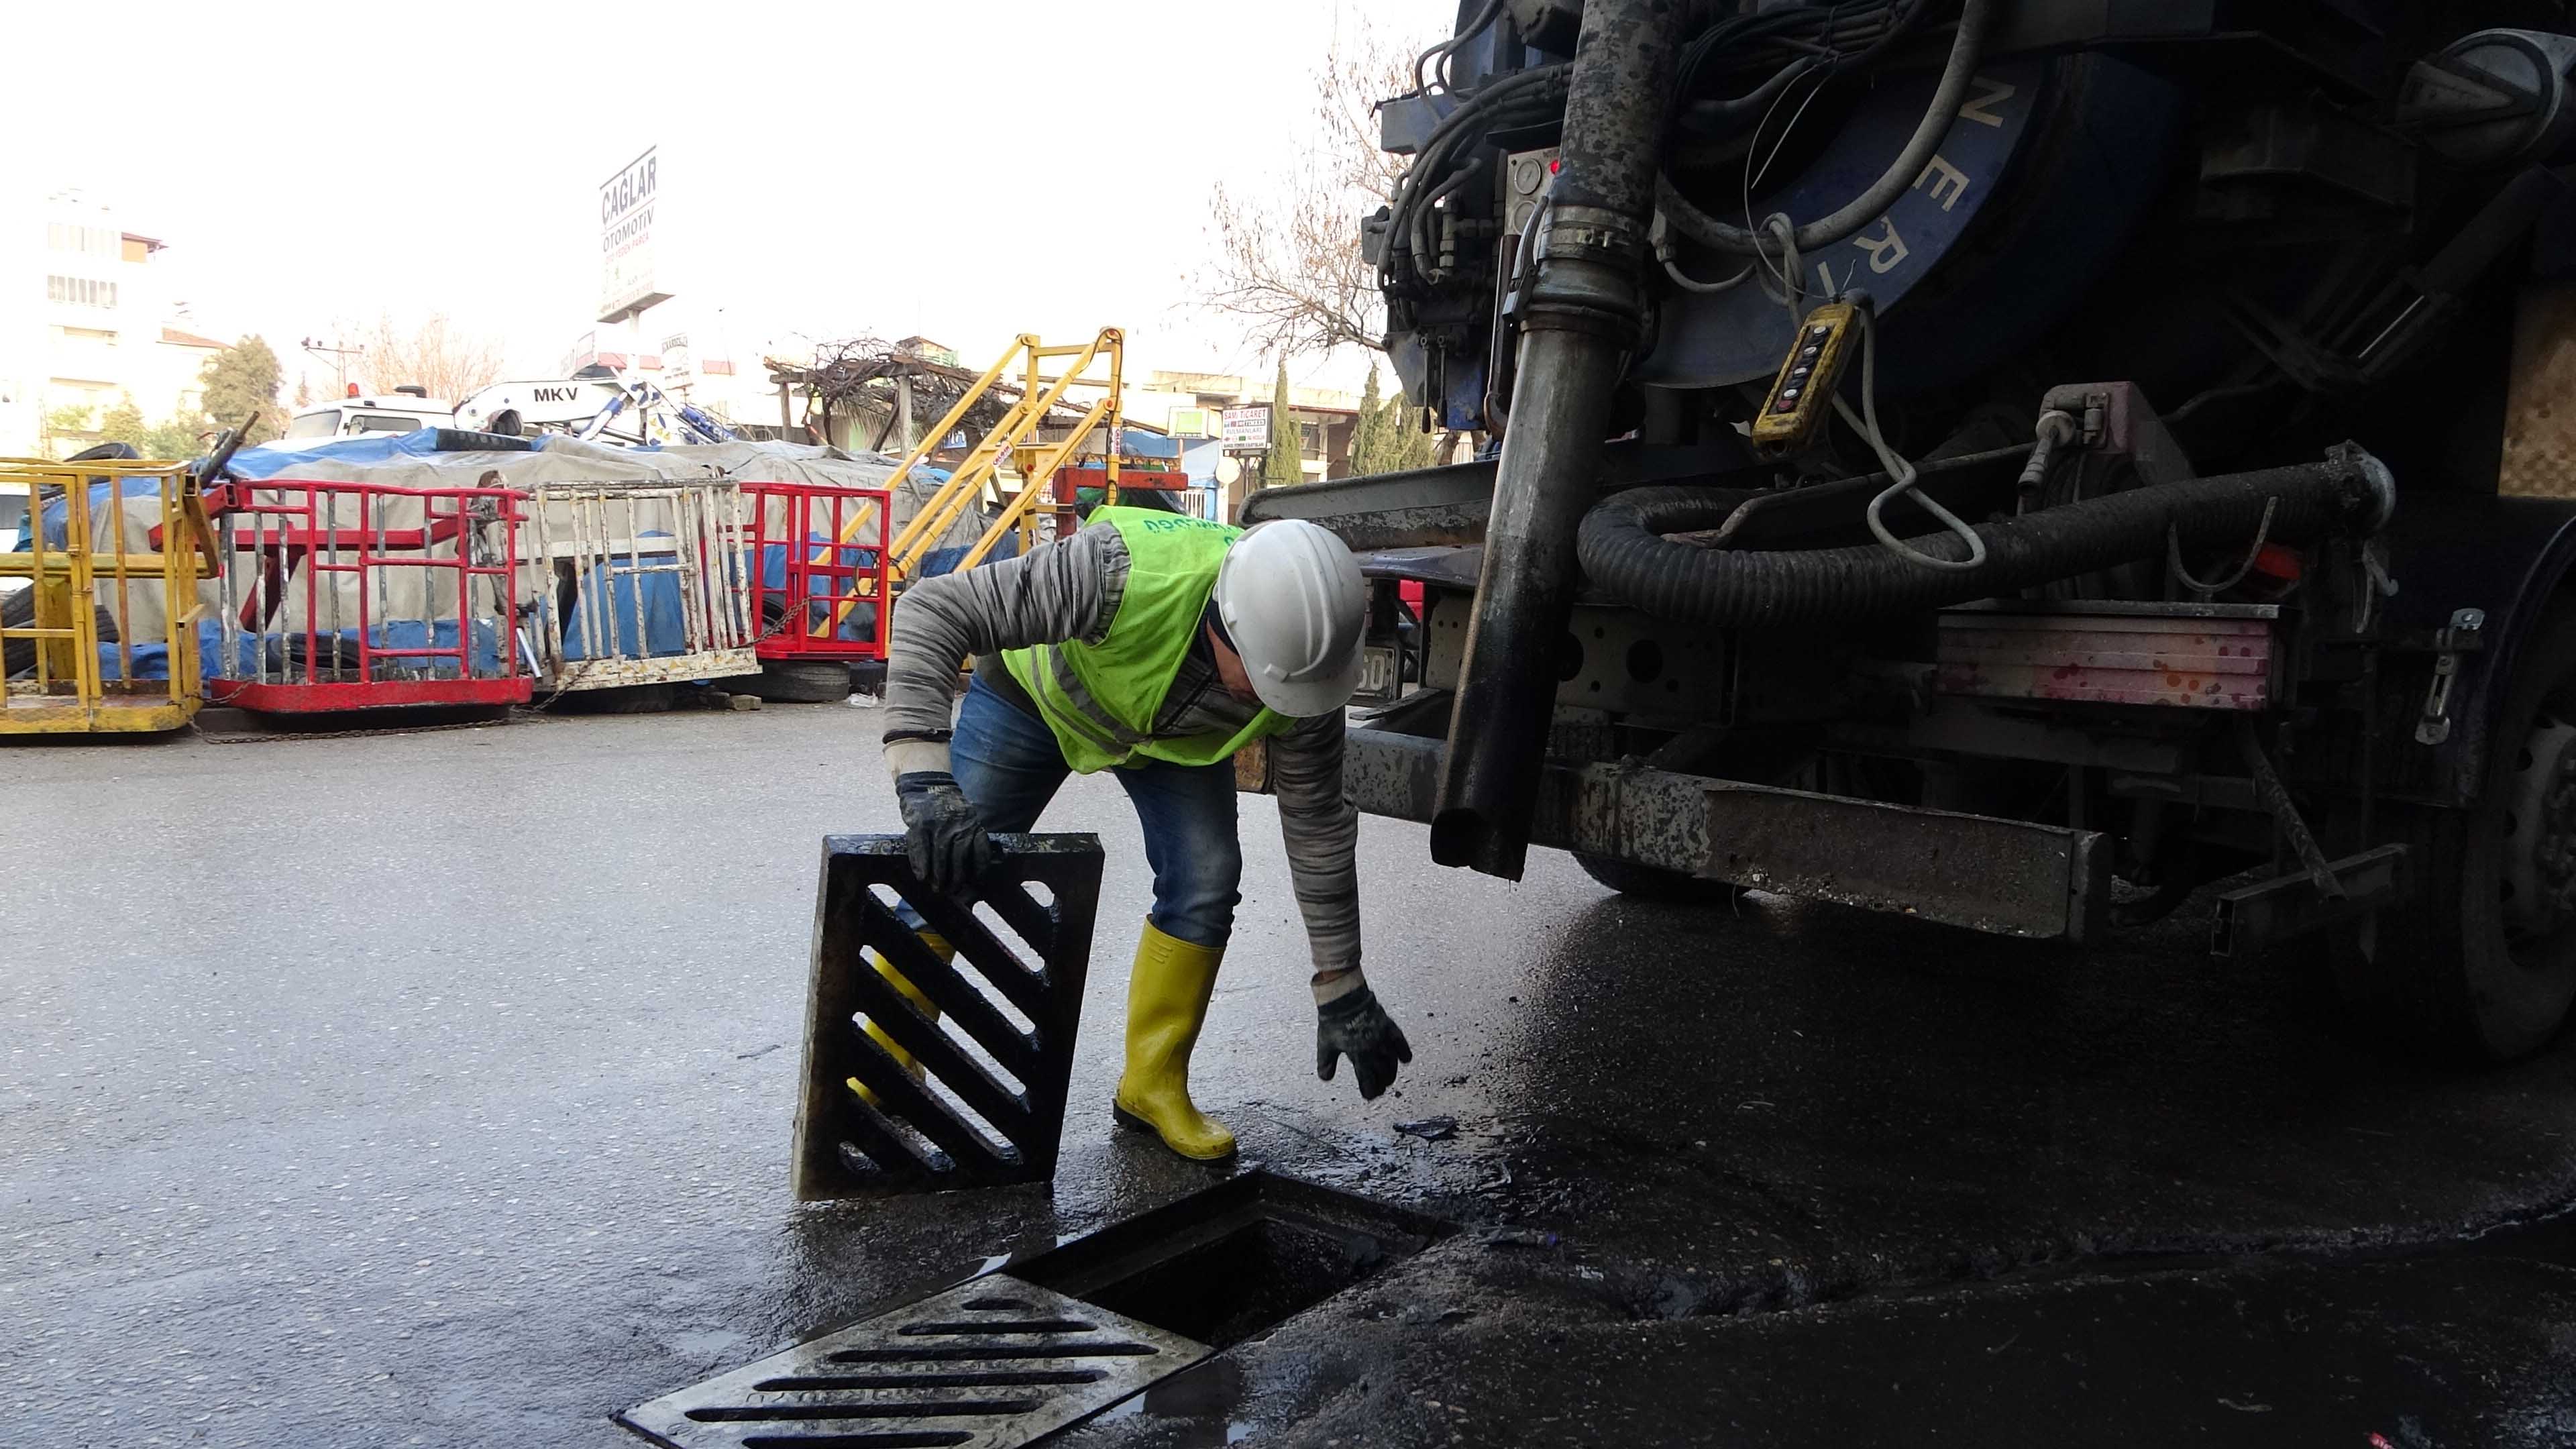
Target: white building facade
x=85, y=316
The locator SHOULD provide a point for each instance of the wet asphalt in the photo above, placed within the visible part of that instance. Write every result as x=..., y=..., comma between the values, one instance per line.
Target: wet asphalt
x=435, y=1089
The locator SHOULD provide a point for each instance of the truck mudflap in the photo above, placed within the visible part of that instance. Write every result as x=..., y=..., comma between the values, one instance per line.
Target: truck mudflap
x=2008, y=877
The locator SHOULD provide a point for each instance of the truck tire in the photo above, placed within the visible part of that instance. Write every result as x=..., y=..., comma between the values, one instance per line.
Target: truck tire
x=1654, y=883
x=2482, y=964
x=795, y=681
x=617, y=699
x=18, y=611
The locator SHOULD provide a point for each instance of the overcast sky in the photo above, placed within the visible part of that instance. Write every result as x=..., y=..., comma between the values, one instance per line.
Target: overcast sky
x=966, y=168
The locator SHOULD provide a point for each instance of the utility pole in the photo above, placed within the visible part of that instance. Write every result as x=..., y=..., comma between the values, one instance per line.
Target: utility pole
x=339, y=361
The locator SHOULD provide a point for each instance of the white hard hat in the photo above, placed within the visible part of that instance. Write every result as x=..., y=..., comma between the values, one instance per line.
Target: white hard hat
x=1291, y=599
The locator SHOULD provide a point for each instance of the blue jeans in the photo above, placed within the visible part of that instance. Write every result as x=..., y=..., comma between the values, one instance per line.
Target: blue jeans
x=1009, y=765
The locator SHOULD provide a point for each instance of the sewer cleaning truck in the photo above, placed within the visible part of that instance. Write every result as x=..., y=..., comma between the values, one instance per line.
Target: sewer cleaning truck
x=2006, y=462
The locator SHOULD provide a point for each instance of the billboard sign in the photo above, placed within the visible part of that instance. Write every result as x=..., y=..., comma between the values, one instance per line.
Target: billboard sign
x=1247, y=429
x=626, y=263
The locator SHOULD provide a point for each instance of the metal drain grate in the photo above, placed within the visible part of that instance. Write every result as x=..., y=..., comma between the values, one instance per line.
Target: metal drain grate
x=988, y=1364
x=961, y=1123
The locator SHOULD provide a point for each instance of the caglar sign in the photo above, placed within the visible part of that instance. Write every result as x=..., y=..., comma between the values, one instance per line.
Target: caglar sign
x=626, y=272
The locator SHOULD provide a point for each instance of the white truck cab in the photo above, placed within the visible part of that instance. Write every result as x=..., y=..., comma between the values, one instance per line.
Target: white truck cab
x=352, y=417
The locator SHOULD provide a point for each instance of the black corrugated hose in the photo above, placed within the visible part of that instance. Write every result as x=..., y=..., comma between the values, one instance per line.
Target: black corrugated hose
x=1624, y=553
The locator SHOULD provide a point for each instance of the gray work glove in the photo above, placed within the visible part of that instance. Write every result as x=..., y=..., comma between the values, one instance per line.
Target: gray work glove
x=942, y=834
x=1354, y=1025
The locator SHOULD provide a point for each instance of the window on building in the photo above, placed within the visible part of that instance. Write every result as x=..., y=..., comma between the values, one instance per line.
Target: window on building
x=86, y=334
x=80, y=291
x=1311, y=439
x=96, y=240
x=77, y=392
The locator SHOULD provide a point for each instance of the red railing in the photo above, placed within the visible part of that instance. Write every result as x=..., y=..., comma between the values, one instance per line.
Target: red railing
x=799, y=588
x=380, y=573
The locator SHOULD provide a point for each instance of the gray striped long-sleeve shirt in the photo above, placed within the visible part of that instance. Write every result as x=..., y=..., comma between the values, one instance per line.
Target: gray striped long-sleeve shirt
x=1070, y=590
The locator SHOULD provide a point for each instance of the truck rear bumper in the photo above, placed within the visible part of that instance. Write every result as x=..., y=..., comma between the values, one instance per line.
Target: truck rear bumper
x=2009, y=877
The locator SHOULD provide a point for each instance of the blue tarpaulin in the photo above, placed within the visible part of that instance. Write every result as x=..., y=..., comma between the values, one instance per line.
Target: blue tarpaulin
x=58, y=510
x=151, y=661
x=286, y=649
x=273, y=462
x=1137, y=443
x=609, y=594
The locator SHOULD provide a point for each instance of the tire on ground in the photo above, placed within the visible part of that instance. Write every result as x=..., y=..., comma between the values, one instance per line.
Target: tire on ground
x=18, y=611
x=794, y=681
x=618, y=699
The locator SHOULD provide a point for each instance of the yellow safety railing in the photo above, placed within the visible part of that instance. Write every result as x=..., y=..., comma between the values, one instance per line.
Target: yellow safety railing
x=64, y=684
x=1008, y=440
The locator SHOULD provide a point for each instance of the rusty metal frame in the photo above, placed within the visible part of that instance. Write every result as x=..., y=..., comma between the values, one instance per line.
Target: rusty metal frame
x=2008, y=877
x=2289, y=906
x=688, y=528
x=1448, y=505
x=79, y=684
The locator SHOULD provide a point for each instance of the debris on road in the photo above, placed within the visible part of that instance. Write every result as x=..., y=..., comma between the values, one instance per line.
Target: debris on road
x=1429, y=1129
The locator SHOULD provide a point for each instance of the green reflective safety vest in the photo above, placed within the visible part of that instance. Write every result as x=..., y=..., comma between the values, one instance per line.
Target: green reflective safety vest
x=1101, y=699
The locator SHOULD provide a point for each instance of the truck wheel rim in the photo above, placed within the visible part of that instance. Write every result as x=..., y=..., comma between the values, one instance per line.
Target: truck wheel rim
x=2536, y=888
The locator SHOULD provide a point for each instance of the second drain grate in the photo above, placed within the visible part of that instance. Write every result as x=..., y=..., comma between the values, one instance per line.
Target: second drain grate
x=1006, y=1359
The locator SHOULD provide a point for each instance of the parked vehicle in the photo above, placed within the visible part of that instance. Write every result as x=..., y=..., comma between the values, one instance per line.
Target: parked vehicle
x=404, y=410
x=2065, y=456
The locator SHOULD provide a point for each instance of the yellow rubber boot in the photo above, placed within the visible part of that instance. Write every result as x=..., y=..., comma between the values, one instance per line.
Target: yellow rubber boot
x=1167, y=1002
x=939, y=947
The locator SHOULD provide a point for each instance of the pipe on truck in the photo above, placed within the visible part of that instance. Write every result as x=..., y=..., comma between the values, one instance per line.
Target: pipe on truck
x=1579, y=326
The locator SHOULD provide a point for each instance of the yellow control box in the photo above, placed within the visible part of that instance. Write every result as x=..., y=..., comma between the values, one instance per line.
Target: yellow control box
x=1803, y=394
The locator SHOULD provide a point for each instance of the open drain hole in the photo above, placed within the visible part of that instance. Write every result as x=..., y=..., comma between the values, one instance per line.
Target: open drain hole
x=1010, y=1358
x=1237, y=1260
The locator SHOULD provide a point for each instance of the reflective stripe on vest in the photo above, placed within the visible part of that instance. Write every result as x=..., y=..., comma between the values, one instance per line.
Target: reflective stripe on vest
x=1100, y=701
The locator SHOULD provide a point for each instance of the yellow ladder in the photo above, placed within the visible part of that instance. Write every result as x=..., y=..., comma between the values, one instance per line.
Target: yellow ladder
x=1009, y=440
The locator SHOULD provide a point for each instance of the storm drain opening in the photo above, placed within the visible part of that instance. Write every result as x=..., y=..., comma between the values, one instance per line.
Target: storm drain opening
x=1010, y=1358
x=1235, y=1261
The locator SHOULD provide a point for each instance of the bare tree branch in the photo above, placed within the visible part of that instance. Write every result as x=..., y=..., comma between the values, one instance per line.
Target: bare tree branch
x=1287, y=256
x=442, y=360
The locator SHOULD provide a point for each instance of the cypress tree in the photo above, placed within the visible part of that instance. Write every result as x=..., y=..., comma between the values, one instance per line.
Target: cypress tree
x=1364, y=429
x=1283, y=465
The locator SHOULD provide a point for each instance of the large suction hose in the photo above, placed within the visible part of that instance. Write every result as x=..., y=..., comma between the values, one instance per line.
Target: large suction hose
x=1624, y=554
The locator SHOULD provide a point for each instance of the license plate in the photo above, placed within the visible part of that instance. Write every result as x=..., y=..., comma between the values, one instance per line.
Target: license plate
x=1378, y=674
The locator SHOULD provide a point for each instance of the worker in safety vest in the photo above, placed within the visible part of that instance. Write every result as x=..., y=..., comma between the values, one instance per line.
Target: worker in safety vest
x=1154, y=646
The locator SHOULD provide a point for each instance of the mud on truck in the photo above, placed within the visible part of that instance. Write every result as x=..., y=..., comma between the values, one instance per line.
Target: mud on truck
x=2014, y=463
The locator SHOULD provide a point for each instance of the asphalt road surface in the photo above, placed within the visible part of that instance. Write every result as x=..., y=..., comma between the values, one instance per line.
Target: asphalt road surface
x=435, y=1089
